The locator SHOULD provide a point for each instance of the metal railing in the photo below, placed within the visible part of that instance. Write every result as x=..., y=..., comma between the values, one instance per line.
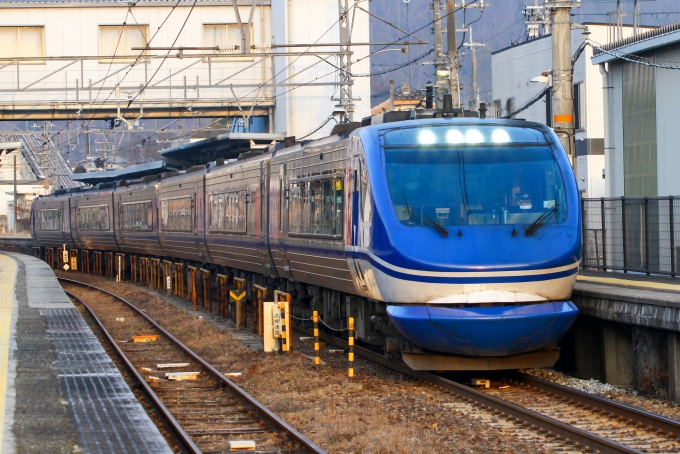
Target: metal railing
x=636, y=234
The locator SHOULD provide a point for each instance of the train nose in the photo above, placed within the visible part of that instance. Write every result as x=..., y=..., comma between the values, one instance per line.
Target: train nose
x=484, y=331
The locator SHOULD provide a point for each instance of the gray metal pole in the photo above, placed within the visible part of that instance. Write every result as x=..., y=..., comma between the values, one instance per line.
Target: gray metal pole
x=391, y=95
x=454, y=84
x=562, y=97
x=439, y=66
x=16, y=230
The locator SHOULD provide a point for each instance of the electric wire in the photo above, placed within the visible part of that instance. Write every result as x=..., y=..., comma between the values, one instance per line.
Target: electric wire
x=191, y=10
x=310, y=81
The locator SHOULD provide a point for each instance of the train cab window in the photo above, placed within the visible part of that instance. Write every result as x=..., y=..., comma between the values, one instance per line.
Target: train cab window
x=137, y=216
x=176, y=215
x=227, y=212
x=49, y=219
x=473, y=175
x=93, y=217
x=316, y=207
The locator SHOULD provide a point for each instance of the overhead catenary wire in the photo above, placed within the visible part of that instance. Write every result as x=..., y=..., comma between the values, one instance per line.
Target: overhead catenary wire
x=80, y=131
x=256, y=103
x=193, y=5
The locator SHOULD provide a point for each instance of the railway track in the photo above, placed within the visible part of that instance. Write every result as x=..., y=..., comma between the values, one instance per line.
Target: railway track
x=563, y=419
x=204, y=414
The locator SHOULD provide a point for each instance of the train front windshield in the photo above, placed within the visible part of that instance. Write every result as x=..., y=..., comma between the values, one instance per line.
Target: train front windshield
x=473, y=175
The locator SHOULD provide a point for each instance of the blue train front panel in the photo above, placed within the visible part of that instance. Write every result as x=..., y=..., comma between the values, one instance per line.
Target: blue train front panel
x=472, y=236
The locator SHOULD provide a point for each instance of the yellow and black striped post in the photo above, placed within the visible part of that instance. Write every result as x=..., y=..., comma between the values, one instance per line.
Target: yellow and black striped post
x=315, y=320
x=350, y=342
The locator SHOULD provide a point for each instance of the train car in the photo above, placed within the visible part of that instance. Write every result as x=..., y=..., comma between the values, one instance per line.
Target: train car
x=453, y=242
x=310, y=230
x=51, y=221
x=136, y=208
x=470, y=231
x=235, y=215
x=93, y=219
x=181, y=206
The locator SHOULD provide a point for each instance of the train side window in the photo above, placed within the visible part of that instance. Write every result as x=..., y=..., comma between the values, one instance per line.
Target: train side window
x=137, y=216
x=49, y=219
x=176, y=214
x=93, y=217
x=316, y=207
x=227, y=212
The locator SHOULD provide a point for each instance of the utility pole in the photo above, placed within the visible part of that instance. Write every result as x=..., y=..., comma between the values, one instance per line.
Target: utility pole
x=446, y=65
x=562, y=95
x=475, y=88
x=454, y=83
x=440, y=70
x=346, y=100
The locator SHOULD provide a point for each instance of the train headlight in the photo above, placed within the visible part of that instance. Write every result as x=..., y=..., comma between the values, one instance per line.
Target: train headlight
x=427, y=137
x=500, y=136
x=474, y=136
x=454, y=136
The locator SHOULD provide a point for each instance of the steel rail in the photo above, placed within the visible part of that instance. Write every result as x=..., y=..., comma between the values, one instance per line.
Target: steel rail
x=570, y=433
x=243, y=397
x=180, y=435
x=668, y=425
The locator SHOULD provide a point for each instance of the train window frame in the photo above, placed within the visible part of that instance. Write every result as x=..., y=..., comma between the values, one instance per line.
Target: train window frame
x=308, y=196
x=181, y=229
x=242, y=193
x=84, y=226
x=147, y=228
x=41, y=220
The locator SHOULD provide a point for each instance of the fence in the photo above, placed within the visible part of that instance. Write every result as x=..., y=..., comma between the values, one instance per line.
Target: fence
x=637, y=234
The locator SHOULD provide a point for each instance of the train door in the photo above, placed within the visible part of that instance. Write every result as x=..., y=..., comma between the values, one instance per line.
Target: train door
x=284, y=203
x=264, y=241
x=199, y=218
x=360, y=225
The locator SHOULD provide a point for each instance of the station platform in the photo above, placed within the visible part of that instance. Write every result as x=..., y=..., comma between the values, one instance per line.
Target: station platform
x=59, y=390
x=627, y=333
x=638, y=299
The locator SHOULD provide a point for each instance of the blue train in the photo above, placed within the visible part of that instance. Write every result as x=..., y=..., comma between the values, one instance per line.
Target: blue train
x=453, y=242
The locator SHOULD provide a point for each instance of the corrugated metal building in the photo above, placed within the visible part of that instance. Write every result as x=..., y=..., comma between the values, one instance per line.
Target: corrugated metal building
x=642, y=76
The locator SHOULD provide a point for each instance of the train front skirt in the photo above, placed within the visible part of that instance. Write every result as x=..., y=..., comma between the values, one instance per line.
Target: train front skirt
x=518, y=331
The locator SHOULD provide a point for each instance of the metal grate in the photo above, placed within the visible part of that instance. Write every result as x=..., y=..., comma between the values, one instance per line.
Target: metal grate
x=106, y=412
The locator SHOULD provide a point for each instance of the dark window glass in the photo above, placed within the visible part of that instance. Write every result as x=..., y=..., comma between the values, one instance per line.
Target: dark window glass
x=315, y=207
x=49, y=219
x=176, y=215
x=227, y=212
x=137, y=216
x=468, y=181
x=93, y=218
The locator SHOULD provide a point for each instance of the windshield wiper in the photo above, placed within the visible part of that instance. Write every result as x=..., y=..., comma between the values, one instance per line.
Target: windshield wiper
x=426, y=221
x=542, y=219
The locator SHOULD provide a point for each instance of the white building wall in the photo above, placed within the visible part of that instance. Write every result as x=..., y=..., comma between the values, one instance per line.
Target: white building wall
x=667, y=102
x=312, y=21
x=72, y=29
x=614, y=180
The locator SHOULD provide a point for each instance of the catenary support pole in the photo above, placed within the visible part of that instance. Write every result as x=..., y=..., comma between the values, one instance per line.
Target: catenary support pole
x=562, y=94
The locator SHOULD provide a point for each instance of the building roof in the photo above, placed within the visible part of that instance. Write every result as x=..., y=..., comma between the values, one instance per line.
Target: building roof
x=126, y=173
x=589, y=24
x=652, y=39
x=225, y=146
